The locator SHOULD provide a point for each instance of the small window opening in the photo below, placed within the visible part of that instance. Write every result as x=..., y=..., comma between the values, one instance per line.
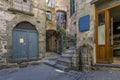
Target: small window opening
x=24, y=0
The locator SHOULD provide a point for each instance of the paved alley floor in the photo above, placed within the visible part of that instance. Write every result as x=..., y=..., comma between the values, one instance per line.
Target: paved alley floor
x=45, y=72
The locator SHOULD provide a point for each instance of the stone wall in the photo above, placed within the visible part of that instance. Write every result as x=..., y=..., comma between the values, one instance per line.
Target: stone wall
x=71, y=25
x=84, y=8
x=9, y=19
x=59, y=5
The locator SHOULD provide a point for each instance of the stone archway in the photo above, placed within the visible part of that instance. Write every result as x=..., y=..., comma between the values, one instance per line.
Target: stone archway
x=53, y=41
x=25, y=42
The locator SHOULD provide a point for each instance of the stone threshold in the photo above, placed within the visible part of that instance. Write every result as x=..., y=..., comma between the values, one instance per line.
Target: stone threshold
x=107, y=65
x=20, y=65
x=8, y=65
x=23, y=60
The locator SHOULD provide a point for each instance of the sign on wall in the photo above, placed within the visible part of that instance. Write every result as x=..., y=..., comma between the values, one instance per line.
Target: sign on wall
x=84, y=23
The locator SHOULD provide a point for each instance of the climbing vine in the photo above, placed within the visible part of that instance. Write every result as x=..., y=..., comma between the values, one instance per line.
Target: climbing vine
x=63, y=36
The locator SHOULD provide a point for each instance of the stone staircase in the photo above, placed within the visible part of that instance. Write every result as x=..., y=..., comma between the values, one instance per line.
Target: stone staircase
x=62, y=62
x=1, y=61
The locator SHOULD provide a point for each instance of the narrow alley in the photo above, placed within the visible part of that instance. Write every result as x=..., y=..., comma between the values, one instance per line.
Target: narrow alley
x=59, y=39
x=45, y=72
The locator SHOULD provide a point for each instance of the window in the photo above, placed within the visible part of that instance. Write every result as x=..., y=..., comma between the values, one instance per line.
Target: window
x=49, y=16
x=61, y=19
x=50, y=3
x=24, y=0
x=101, y=28
x=72, y=7
x=22, y=5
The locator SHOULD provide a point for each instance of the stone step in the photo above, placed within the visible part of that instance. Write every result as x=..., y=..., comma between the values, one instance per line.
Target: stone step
x=69, y=51
x=62, y=67
x=53, y=57
x=64, y=62
x=66, y=57
x=25, y=64
x=1, y=61
x=106, y=67
x=50, y=63
x=8, y=65
x=58, y=66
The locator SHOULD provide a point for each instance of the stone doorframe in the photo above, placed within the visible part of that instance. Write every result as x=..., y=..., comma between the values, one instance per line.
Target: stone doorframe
x=56, y=34
x=10, y=26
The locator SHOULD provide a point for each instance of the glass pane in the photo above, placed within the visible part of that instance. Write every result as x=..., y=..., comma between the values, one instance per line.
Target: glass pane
x=61, y=19
x=101, y=29
x=50, y=3
x=111, y=31
x=49, y=16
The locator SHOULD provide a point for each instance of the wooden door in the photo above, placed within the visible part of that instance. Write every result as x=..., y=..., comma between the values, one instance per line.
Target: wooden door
x=103, y=51
x=33, y=44
x=25, y=44
x=19, y=44
x=110, y=37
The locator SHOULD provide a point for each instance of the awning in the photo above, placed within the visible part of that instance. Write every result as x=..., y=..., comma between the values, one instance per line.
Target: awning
x=96, y=1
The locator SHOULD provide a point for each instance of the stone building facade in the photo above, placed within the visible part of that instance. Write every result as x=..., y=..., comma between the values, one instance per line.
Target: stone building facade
x=56, y=23
x=97, y=27
x=14, y=13
x=20, y=18
x=86, y=37
x=72, y=24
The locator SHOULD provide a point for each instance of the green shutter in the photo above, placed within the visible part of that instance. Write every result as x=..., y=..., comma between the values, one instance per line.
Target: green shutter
x=72, y=7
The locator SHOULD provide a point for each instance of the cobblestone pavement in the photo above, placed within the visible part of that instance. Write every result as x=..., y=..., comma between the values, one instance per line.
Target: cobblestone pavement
x=45, y=72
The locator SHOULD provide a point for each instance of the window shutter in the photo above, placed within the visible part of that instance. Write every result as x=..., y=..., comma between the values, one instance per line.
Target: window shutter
x=70, y=7
x=73, y=6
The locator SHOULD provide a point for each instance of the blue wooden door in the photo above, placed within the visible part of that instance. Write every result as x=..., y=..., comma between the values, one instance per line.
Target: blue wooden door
x=33, y=44
x=19, y=44
x=25, y=44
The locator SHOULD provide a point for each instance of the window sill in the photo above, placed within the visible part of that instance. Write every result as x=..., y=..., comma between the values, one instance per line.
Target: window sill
x=15, y=10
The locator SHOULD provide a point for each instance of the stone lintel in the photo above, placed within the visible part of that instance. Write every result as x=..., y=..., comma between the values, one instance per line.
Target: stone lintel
x=15, y=10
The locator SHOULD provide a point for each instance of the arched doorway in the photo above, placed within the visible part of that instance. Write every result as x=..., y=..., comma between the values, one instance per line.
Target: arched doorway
x=25, y=42
x=53, y=41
